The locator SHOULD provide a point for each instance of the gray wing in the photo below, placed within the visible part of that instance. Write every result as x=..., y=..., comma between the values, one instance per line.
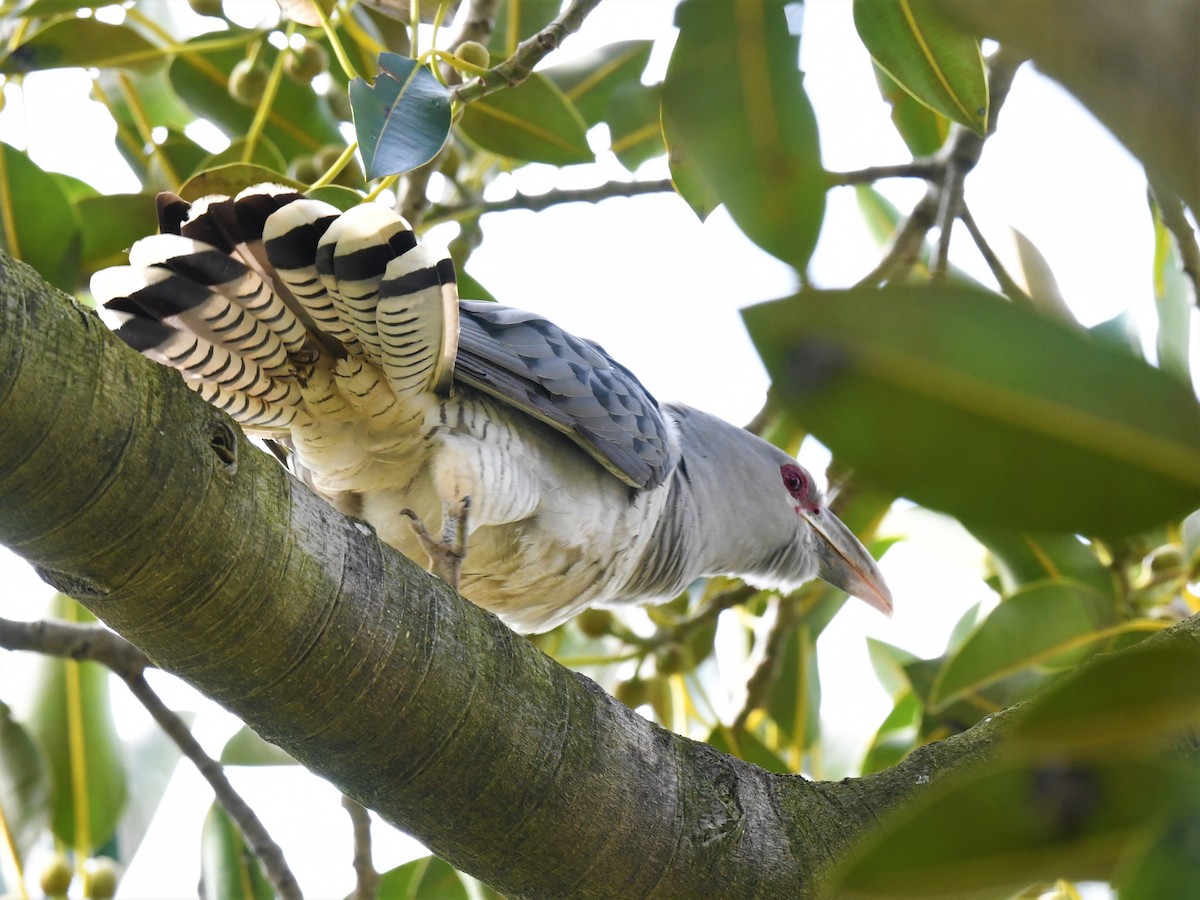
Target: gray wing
x=568, y=383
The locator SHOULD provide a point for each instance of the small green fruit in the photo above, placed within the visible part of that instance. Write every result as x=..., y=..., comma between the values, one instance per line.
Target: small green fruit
x=671, y=659
x=475, y=54
x=57, y=876
x=307, y=63
x=100, y=877
x=594, y=623
x=633, y=693
x=206, y=7
x=247, y=83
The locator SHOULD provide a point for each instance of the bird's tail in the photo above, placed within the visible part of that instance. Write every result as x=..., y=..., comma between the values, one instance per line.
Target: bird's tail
x=283, y=310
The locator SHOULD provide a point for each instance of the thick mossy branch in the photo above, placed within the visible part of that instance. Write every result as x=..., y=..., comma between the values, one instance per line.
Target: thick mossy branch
x=132, y=495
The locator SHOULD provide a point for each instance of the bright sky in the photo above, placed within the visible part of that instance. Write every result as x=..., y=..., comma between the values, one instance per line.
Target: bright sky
x=661, y=292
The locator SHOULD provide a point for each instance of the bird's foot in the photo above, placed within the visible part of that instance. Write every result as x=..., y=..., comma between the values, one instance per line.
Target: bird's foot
x=445, y=555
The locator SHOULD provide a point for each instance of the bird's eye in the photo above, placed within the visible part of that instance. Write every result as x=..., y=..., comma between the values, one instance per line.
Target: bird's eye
x=795, y=481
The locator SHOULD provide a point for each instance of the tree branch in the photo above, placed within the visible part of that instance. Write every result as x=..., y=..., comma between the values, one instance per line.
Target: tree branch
x=538, y=202
x=529, y=53
x=97, y=644
x=366, y=669
x=366, y=882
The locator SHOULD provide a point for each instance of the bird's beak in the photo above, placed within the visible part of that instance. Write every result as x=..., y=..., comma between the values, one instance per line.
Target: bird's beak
x=845, y=562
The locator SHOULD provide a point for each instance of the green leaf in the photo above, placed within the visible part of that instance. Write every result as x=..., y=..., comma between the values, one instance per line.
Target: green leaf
x=520, y=19
x=634, y=126
x=403, y=119
x=246, y=748
x=230, y=179
x=1015, y=823
x=228, y=868
x=1040, y=281
x=733, y=98
x=1026, y=558
x=690, y=183
x=298, y=123
x=1173, y=303
x=888, y=662
x=922, y=129
x=72, y=720
x=590, y=81
x=37, y=220
x=897, y=736
x=748, y=746
x=532, y=122
x=112, y=222
x=1135, y=697
x=25, y=800
x=1035, y=626
x=428, y=877
x=966, y=403
x=152, y=759
x=928, y=56
x=795, y=702
x=264, y=155
x=1169, y=867
x=76, y=43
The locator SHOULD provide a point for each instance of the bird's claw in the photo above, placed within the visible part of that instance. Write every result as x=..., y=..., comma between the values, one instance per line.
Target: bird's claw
x=445, y=555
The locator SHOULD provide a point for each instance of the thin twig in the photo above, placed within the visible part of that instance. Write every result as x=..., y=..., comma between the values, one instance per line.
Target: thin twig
x=97, y=644
x=1008, y=285
x=537, y=202
x=529, y=53
x=366, y=878
x=924, y=167
x=761, y=681
x=907, y=241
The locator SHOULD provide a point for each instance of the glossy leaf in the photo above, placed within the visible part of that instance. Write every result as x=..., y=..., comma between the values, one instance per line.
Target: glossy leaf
x=1170, y=866
x=403, y=119
x=733, y=99
x=72, y=720
x=425, y=877
x=25, y=789
x=1173, y=304
x=112, y=222
x=963, y=402
x=896, y=737
x=75, y=43
x=922, y=129
x=690, y=183
x=153, y=758
x=246, y=748
x=298, y=123
x=589, y=81
x=1035, y=626
x=228, y=868
x=928, y=56
x=1039, y=280
x=532, y=122
x=1015, y=823
x=37, y=220
x=1026, y=558
x=888, y=662
x=634, y=125
x=794, y=703
x=748, y=746
x=230, y=179
x=1133, y=697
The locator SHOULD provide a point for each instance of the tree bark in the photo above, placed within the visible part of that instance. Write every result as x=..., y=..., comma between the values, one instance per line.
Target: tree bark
x=130, y=494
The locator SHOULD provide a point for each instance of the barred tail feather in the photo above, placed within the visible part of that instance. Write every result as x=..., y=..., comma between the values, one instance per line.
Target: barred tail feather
x=285, y=312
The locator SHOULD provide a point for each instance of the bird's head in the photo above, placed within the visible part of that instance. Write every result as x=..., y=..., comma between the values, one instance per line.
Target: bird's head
x=842, y=560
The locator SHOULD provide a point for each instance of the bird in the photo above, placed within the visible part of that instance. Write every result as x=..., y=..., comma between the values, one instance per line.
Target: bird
x=555, y=480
